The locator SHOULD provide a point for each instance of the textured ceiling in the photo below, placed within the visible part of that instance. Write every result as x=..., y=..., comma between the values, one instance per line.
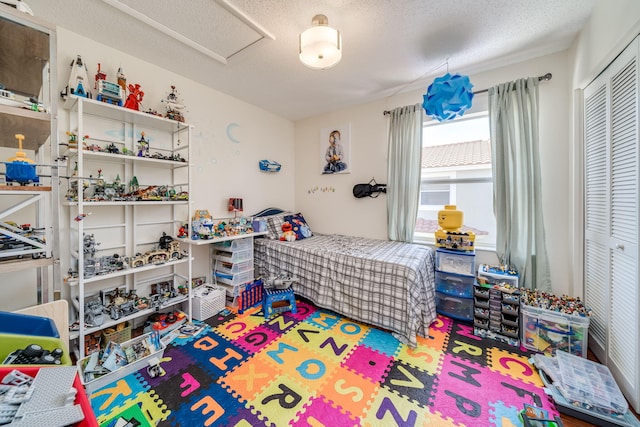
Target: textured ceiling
x=389, y=45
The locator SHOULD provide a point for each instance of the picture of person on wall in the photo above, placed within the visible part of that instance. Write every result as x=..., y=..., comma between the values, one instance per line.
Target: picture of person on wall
x=334, y=156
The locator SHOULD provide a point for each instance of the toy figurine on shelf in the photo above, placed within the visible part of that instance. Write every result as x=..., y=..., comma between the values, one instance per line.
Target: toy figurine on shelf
x=143, y=146
x=174, y=105
x=99, y=76
x=122, y=79
x=21, y=169
x=73, y=140
x=111, y=93
x=78, y=80
x=450, y=234
x=135, y=97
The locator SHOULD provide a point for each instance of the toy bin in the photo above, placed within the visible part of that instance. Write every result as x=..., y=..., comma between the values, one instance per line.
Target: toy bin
x=208, y=300
x=454, y=284
x=494, y=275
x=13, y=342
x=234, y=279
x=235, y=256
x=25, y=324
x=93, y=384
x=80, y=398
x=448, y=261
x=458, y=308
x=234, y=245
x=546, y=331
x=117, y=334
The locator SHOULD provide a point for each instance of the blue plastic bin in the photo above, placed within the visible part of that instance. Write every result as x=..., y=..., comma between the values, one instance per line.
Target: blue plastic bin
x=25, y=324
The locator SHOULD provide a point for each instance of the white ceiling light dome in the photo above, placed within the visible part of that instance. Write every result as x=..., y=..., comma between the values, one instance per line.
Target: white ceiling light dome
x=320, y=45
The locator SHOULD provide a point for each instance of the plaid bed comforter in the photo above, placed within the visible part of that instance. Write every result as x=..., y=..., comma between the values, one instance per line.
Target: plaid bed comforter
x=386, y=284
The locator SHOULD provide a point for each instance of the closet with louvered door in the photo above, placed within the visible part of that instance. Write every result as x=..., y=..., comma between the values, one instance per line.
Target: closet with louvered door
x=611, y=216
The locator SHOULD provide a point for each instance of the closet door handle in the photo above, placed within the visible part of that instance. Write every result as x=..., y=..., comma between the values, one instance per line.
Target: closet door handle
x=620, y=246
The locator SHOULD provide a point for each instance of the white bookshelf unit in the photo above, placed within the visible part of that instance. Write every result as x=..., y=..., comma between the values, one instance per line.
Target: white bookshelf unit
x=122, y=199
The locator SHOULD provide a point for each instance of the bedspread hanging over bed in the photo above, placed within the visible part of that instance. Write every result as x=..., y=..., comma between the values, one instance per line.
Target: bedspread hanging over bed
x=383, y=283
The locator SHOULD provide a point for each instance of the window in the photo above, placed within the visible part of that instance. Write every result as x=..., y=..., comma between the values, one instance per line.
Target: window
x=456, y=170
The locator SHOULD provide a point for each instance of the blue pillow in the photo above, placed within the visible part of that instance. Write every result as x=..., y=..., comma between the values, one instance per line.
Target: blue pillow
x=300, y=226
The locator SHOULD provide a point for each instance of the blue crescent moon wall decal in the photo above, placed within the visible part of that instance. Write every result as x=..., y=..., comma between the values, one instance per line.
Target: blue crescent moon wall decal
x=230, y=127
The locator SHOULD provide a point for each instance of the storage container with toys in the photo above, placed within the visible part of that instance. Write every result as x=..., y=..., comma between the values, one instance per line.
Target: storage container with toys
x=550, y=323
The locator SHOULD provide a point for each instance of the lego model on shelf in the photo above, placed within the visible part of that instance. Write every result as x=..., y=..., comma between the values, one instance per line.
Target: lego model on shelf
x=26, y=196
x=127, y=193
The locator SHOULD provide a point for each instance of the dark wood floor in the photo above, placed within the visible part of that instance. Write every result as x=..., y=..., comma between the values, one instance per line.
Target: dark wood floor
x=574, y=422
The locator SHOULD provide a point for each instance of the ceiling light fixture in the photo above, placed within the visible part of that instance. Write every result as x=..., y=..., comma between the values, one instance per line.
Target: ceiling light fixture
x=320, y=45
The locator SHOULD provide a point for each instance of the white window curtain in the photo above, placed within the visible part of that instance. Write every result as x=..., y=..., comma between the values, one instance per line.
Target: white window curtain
x=404, y=159
x=517, y=201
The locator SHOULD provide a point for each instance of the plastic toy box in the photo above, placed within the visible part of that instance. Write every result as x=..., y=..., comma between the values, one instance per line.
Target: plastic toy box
x=208, y=300
x=547, y=331
x=458, y=308
x=25, y=324
x=12, y=342
x=81, y=396
x=101, y=381
x=494, y=275
x=584, y=389
x=449, y=261
x=454, y=284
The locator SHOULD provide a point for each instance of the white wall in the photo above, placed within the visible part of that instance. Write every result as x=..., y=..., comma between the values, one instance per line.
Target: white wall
x=338, y=211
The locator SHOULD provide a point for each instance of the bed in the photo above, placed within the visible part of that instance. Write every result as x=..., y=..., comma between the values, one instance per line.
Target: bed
x=387, y=284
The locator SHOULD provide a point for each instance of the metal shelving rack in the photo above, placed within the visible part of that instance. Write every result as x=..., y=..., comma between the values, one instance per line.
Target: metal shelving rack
x=29, y=69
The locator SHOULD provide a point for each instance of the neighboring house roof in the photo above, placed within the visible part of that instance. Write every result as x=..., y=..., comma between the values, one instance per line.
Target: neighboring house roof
x=460, y=154
x=431, y=226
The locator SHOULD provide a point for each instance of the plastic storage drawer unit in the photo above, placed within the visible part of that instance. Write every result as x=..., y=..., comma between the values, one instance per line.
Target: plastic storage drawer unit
x=547, y=331
x=454, y=284
x=455, y=262
x=235, y=256
x=234, y=245
x=494, y=276
x=234, y=279
x=458, y=308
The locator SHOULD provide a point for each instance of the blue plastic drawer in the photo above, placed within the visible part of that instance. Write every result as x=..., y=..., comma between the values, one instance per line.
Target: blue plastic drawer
x=458, y=308
x=456, y=262
x=454, y=284
x=25, y=324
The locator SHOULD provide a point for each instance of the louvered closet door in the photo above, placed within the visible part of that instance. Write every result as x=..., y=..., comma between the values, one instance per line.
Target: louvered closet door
x=611, y=219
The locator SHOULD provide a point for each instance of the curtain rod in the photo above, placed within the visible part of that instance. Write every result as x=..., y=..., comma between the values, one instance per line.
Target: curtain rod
x=545, y=77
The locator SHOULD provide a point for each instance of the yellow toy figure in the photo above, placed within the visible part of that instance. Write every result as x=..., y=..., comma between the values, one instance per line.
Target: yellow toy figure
x=449, y=235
